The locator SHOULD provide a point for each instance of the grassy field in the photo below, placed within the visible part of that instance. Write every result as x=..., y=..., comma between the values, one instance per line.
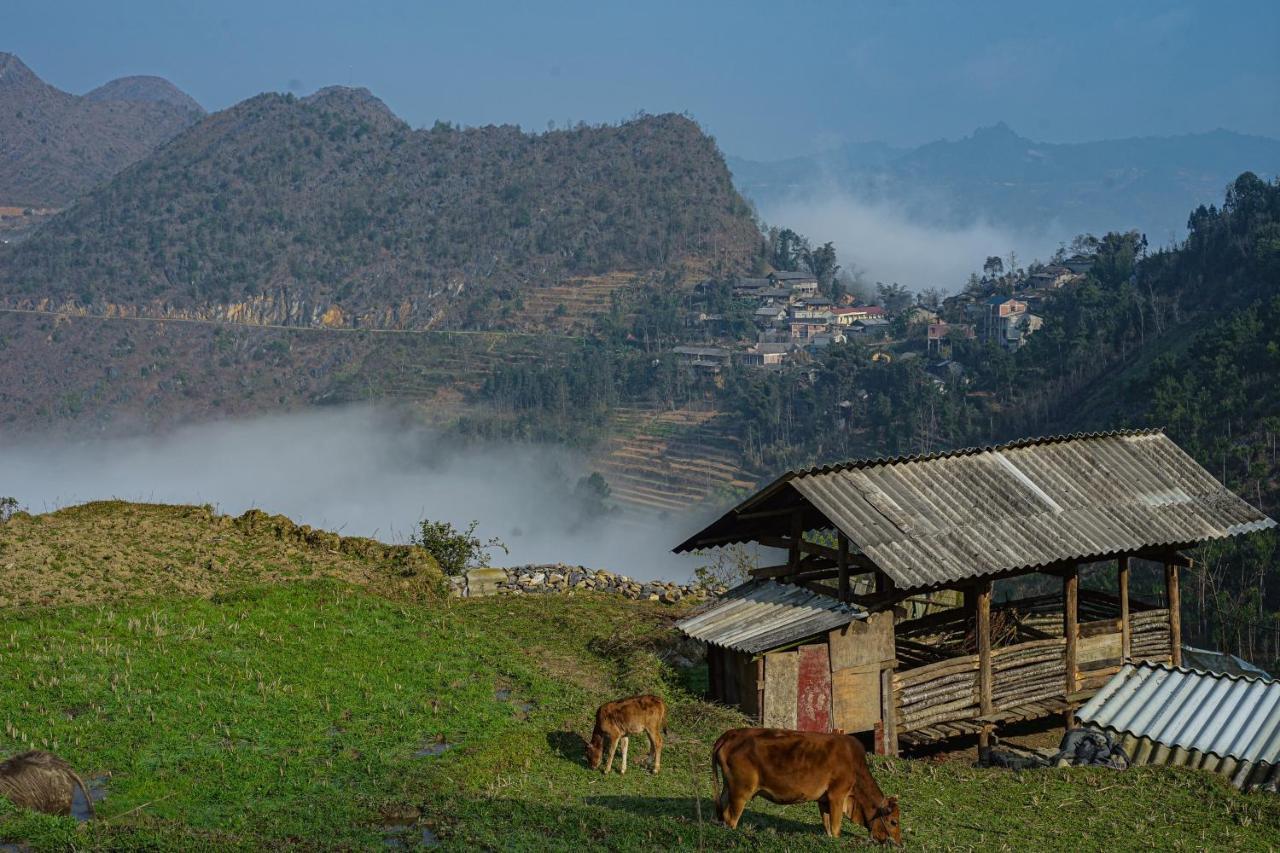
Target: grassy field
x=323, y=713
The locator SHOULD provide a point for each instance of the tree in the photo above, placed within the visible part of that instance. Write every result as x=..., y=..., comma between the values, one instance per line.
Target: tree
x=455, y=550
x=994, y=267
x=894, y=297
x=822, y=263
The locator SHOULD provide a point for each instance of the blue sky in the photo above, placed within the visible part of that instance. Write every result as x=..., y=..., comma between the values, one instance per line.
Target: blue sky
x=768, y=81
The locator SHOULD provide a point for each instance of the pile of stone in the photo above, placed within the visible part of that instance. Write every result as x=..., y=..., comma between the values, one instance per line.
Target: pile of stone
x=561, y=578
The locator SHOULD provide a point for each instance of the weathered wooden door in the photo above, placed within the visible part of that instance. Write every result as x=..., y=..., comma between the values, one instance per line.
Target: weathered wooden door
x=813, y=689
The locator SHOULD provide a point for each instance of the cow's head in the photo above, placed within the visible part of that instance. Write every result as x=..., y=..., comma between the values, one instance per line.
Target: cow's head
x=886, y=822
x=595, y=751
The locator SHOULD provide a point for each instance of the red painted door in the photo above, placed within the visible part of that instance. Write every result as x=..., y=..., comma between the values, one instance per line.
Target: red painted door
x=813, y=691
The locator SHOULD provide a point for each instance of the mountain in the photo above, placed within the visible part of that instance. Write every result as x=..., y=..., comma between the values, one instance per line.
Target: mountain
x=56, y=146
x=329, y=210
x=145, y=90
x=997, y=175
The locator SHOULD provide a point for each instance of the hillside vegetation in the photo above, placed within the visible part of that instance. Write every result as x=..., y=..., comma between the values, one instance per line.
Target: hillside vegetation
x=113, y=550
x=329, y=210
x=325, y=714
x=56, y=146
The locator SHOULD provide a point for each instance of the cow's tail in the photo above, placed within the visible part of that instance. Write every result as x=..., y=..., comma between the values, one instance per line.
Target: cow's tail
x=84, y=791
x=717, y=775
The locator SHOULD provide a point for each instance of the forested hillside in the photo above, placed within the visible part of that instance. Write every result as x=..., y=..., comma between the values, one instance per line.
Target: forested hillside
x=56, y=146
x=331, y=211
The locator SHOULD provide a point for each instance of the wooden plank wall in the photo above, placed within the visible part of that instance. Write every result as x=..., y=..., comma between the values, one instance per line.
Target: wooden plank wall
x=781, y=677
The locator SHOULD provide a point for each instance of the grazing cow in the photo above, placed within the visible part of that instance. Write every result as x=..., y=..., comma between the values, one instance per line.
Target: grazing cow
x=41, y=781
x=801, y=767
x=631, y=716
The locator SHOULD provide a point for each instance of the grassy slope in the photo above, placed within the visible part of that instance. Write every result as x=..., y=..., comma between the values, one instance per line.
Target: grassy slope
x=291, y=714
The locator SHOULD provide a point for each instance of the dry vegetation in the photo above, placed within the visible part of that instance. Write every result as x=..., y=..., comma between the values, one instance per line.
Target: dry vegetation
x=112, y=550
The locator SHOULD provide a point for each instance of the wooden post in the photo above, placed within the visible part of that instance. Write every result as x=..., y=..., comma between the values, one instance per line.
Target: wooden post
x=760, y=690
x=982, y=628
x=797, y=534
x=1174, y=600
x=1126, y=630
x=888, y=713
x=1071, y=631
x=842, y=564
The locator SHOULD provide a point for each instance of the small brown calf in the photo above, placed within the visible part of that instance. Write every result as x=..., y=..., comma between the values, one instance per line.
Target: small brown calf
x=631, y=716
x=42, y=782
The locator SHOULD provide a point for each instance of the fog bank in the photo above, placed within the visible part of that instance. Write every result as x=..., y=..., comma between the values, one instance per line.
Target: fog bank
x=886, y=243
x=359, y=471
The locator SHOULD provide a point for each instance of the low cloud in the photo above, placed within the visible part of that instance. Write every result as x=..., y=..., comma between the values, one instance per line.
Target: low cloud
x=360, y=471
x=885, y=243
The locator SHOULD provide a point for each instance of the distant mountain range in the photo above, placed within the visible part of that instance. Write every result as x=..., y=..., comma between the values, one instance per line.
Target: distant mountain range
x=55, y=146
x=997, y=176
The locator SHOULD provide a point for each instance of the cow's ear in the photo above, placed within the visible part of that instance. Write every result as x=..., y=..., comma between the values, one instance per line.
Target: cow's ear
x=893, y=801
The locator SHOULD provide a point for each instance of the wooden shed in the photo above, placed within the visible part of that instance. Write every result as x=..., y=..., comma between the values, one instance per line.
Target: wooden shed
x=912, y=526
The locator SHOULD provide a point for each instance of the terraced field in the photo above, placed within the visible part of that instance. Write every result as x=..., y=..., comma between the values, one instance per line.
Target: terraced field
x=667, y=461
x=574, y=306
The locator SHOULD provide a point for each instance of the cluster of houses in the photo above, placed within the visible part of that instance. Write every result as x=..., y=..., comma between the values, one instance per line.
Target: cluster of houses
x=792, y=316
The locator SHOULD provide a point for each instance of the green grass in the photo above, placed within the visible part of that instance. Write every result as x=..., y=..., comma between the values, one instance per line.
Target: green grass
x=291, y=715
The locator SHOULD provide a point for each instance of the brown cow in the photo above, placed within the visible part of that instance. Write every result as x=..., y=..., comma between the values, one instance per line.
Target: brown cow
x=631, y=716
x=41, y=781
x=801, y=767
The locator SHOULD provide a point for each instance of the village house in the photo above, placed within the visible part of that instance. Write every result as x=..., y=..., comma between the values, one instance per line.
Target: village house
x=802, y=646
x=1079, y=264
x=766, y=354
x=1051, y=278
x=709, y=359
x=941, y=335
x=750, y=288
x=803, y=328
x=799, y=283
x=769, y=315
x=870, y=328
x=849, y=314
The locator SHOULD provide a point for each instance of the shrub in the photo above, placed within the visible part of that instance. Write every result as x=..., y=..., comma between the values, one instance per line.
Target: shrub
x=455, y=550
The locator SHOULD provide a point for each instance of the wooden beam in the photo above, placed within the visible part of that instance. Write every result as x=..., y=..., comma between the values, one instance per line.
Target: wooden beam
x=842, y=564
x=888, y=713
x=1168, y=557
x=1174, y=599
x=760, y=690
x=982, y=630
x=861, y=560
x=806, y=564
x=1070, y=630
x=766, y=513
x=1126, y=629
x=797, y=537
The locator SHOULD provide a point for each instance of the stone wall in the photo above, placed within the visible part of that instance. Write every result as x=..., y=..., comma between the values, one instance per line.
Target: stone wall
x=560, y=578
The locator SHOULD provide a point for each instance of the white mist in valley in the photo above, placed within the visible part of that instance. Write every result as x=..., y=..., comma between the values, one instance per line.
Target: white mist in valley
x=360, y=471
x=885, y=243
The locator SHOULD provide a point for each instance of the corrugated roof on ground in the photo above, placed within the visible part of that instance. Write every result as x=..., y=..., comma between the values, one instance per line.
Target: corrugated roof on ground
x=761, y=615
x=930, y=520
x=1226, y=715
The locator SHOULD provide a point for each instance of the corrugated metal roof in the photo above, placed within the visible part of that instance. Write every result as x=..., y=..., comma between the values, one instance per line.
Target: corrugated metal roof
x=1224, y=715
x=762, y=615
x=930, y=520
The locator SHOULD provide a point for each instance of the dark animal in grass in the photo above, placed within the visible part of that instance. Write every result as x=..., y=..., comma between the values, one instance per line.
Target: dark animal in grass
x=42, y=782
x=615, y=721
x=802, y=767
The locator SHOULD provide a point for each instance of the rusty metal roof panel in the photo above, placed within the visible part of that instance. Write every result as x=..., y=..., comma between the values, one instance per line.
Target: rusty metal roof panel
x=1229, y=716
x=761, y=615
x=929, y=521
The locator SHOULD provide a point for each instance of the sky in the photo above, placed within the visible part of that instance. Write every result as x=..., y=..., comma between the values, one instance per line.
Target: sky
x=768, y=81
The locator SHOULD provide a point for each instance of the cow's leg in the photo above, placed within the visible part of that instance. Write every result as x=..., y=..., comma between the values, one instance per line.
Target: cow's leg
x=737, y=802
x=824, y=809
x=835, y=807
x=626, y=742
x=613, y=750
x=655, y=749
